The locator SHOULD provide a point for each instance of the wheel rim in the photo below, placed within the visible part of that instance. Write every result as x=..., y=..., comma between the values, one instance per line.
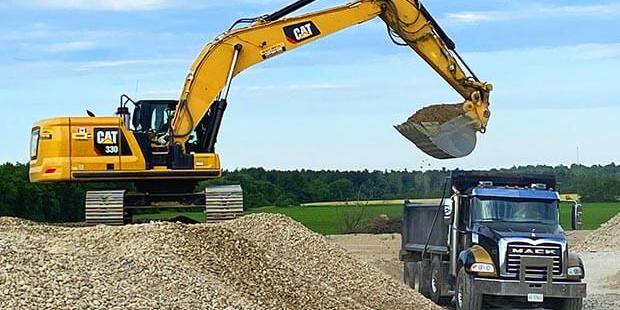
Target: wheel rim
x=434, y=284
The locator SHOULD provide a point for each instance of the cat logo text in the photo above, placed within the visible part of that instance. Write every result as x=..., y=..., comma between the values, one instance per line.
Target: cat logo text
x=300, y=32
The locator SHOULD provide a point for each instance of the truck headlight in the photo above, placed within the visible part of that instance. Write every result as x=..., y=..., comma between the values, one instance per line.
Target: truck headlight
x=482, y=267
x=575, y=271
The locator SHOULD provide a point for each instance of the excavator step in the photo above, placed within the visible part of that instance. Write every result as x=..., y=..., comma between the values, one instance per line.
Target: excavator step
x=105, y=207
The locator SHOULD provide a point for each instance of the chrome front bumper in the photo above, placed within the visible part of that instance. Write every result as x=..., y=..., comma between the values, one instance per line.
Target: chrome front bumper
x=500, y=287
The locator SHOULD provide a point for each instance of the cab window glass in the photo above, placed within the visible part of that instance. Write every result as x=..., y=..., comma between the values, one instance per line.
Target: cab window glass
x=160, y=117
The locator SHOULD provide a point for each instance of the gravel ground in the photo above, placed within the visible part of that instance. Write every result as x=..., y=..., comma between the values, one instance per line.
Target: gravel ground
x=256, y=262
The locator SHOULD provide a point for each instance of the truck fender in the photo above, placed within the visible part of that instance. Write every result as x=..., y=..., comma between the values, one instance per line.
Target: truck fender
x=475, y=254
x=575, y=261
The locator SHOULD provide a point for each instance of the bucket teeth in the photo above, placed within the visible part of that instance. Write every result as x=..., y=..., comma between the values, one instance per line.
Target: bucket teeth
x=453, y=139
x=419, y=136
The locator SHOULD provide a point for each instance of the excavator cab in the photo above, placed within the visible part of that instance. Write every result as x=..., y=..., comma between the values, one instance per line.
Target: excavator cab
x=153, y=115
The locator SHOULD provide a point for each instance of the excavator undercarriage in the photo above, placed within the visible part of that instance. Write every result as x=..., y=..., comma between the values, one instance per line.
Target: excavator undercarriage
x=118, y=207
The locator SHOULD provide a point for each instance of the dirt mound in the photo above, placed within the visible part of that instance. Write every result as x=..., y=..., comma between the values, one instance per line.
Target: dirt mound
x=605, y=238
x=256, y=262
x=439, y=113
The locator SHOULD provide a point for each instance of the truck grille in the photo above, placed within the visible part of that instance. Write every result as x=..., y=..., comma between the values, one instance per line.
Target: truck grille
x=515, y=251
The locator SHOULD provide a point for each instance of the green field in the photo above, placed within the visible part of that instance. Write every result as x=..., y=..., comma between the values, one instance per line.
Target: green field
x=594, y=214
x=329, y=219
x=368, y=202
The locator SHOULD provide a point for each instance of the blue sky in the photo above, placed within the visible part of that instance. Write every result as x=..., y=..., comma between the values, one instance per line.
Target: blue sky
x=331, y=104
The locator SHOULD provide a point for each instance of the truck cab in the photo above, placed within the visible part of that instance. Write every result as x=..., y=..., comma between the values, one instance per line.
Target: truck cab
x=496, y=240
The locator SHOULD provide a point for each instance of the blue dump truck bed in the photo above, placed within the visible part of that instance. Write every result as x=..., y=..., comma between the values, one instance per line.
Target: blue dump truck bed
x=418, y=228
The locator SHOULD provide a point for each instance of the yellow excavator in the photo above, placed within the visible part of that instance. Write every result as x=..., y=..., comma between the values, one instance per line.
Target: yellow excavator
x=167, y=146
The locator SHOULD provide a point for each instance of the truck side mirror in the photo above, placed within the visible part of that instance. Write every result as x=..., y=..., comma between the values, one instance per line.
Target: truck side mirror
x=577, y=214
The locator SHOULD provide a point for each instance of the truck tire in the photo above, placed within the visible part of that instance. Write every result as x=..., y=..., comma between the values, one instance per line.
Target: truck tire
x=570, y=304
x=423, y=276
x=466, y=297
x=438, y=276
x=409, y=274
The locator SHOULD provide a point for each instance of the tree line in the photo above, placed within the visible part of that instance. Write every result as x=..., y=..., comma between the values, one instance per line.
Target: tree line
x=63, y=202
x=283, y=188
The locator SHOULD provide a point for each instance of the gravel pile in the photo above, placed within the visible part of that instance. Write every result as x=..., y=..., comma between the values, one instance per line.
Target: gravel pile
x=256, y=262
x=605, y=238
x=439, y=113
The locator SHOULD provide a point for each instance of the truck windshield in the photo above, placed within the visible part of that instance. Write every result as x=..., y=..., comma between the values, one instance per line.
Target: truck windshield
x=485, y=209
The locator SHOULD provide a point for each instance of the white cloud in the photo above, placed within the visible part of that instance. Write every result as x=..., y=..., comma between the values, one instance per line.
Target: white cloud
x=578, y=52
x=136, y=5
x=308, y=86
x=70, y=46
x=589, y=10
x=597, y=51
x=470, y=17
x=107, y=5
x=159, y=93
x=92, y=65
x=535, y=12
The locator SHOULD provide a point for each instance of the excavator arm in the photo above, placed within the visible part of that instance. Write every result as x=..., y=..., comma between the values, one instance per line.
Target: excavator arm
x=204, y=94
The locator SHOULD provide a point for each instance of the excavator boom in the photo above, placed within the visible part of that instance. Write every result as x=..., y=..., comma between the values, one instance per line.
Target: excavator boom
x=208, y=82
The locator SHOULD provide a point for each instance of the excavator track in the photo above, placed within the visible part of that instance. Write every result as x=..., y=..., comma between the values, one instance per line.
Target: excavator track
x=105, y=207
x=223, y=203
x=115, y=207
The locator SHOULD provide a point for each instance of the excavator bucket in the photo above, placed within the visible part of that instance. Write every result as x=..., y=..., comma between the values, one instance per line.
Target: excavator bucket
x=442, y=131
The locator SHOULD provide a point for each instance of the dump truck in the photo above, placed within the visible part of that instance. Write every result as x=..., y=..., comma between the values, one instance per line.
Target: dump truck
x=496, y=240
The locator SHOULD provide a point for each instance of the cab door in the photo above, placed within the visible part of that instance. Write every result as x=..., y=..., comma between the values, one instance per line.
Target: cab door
x=95, y=144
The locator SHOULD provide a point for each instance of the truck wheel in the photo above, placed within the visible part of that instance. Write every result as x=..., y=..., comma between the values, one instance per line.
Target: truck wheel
x=570, y=304
x=423, y=276
x=437, y=281
x=466, y=297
